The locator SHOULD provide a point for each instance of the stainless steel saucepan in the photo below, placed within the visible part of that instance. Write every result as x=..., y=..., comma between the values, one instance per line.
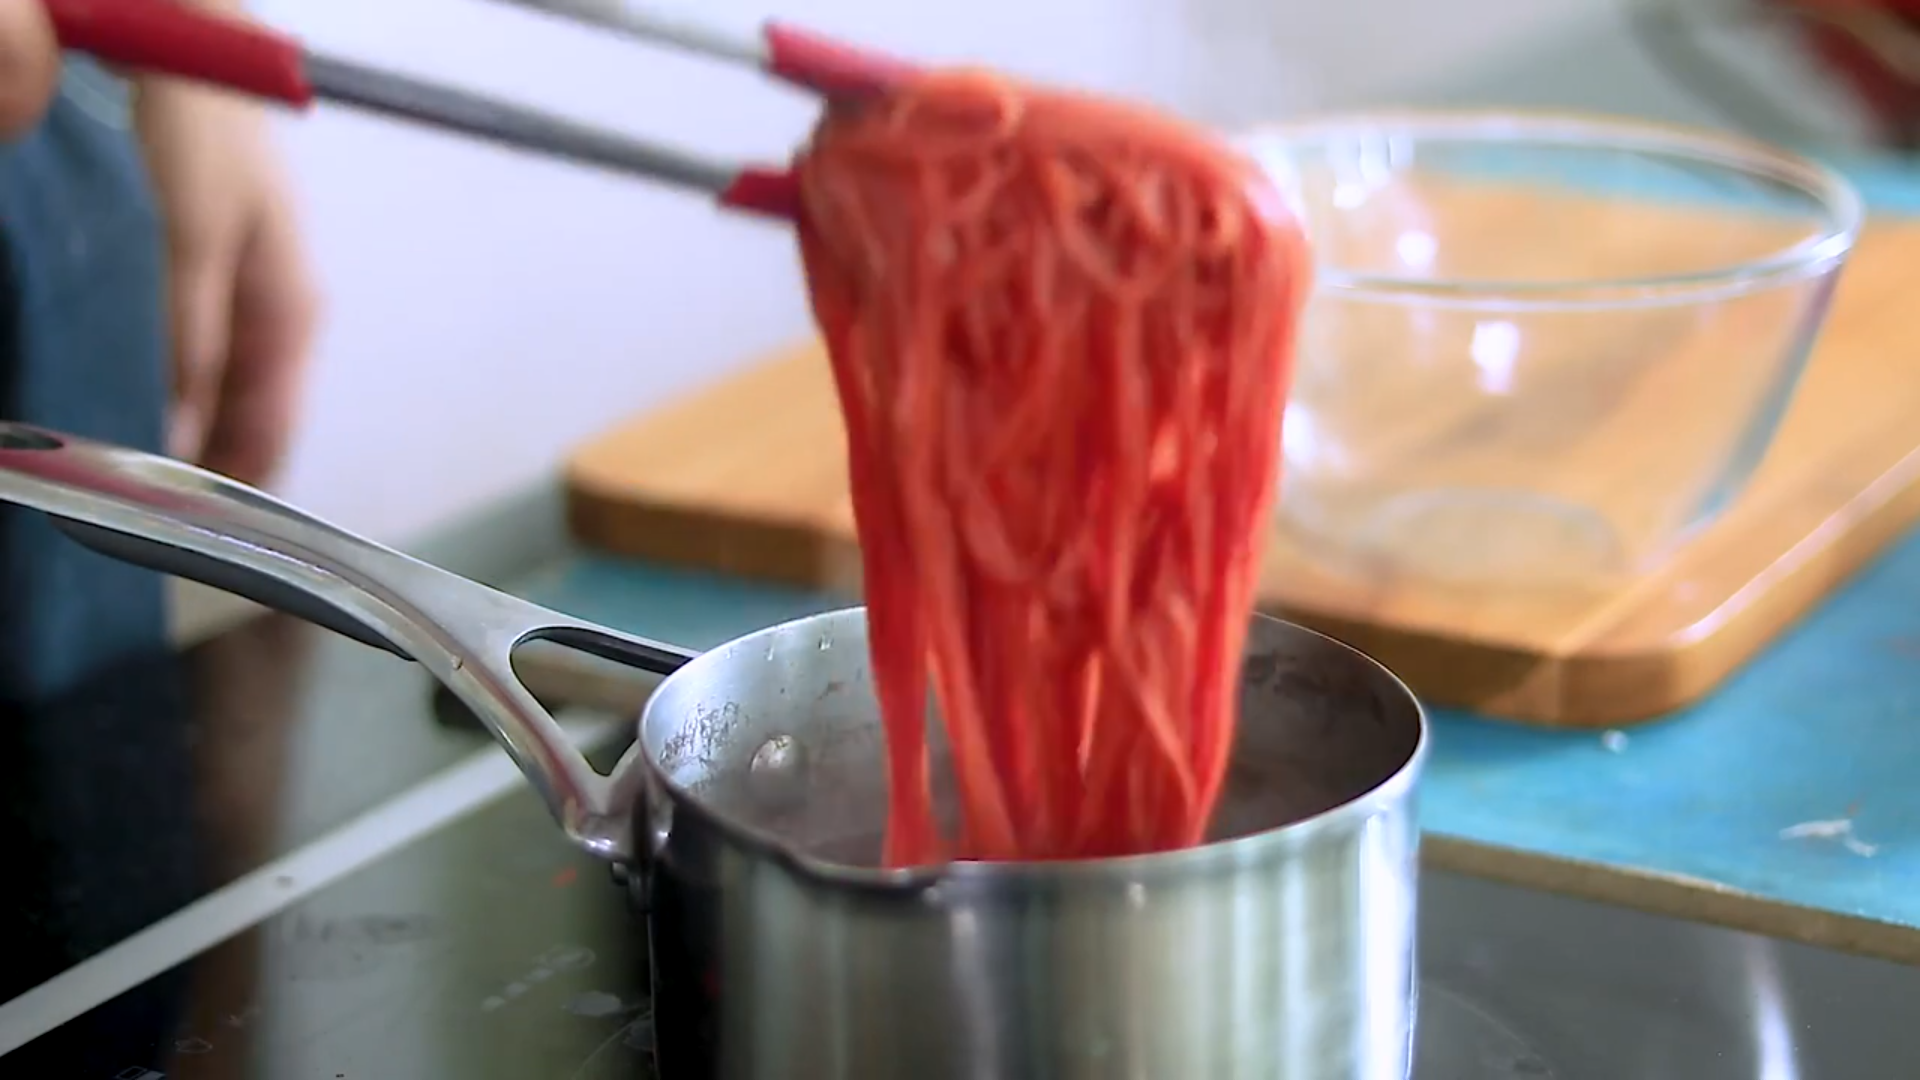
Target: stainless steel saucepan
x=748, y=817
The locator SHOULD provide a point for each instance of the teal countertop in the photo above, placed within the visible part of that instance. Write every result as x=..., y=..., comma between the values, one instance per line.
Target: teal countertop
x=1787, y=802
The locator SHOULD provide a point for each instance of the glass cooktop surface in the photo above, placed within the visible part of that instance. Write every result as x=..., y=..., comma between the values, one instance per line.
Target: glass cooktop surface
x=481, y=945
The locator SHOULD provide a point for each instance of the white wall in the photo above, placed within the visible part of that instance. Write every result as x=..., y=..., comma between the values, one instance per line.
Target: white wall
x=488, y=311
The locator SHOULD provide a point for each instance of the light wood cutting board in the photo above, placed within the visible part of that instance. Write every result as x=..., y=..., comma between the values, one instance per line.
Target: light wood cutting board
x=747, y=477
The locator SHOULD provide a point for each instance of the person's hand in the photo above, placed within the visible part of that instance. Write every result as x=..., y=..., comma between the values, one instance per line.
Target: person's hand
x=242, y=297
x=29, y=65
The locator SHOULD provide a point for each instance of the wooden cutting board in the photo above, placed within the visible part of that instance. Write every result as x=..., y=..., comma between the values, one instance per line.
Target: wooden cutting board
x=747, y=477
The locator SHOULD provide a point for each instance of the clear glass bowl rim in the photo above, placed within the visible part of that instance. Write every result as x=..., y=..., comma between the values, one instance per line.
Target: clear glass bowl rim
x=1840, y=205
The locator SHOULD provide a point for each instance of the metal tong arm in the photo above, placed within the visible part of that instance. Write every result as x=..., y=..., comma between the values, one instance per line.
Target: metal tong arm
x=176, y=518
x=792, y=54
x=168, y=37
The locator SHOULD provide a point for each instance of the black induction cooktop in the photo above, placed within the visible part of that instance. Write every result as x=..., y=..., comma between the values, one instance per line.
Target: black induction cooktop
x=493, y=950
x=486, y=947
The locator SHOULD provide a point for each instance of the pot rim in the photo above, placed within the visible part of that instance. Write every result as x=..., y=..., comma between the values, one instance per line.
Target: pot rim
x=1399, y=787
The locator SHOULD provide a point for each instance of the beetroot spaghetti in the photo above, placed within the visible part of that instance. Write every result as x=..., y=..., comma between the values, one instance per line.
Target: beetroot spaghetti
x=1061, y=331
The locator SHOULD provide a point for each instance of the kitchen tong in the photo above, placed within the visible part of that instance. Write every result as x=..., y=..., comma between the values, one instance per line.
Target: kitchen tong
x=171, y=38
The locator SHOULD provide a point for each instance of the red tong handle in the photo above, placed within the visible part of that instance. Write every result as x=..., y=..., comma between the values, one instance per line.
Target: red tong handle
x=770, y=192
x=171, y=38
x=829, y=67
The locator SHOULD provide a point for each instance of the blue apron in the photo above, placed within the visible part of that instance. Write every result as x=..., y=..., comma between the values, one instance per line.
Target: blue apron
x=83, y=349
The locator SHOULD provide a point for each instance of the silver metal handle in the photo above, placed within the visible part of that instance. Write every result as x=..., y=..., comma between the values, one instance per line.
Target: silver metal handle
x=514, y=126
x=648, y=22
x=172, y=517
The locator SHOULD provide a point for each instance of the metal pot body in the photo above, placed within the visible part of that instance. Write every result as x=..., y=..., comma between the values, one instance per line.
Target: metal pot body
x=750, y=811
x=1284, y=948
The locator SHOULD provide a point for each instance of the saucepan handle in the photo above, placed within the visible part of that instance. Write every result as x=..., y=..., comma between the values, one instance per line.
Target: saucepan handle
x=169, y=516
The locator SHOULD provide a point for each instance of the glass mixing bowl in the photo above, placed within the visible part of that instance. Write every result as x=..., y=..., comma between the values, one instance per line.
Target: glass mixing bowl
x=1540, y=348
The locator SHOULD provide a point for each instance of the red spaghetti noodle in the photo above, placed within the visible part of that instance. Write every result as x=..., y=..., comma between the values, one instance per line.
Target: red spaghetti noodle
x=1060, y=330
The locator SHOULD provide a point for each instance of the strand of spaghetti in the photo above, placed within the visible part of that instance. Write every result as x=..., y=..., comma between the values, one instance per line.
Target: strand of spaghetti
x=896, y=640
x=988, y=821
